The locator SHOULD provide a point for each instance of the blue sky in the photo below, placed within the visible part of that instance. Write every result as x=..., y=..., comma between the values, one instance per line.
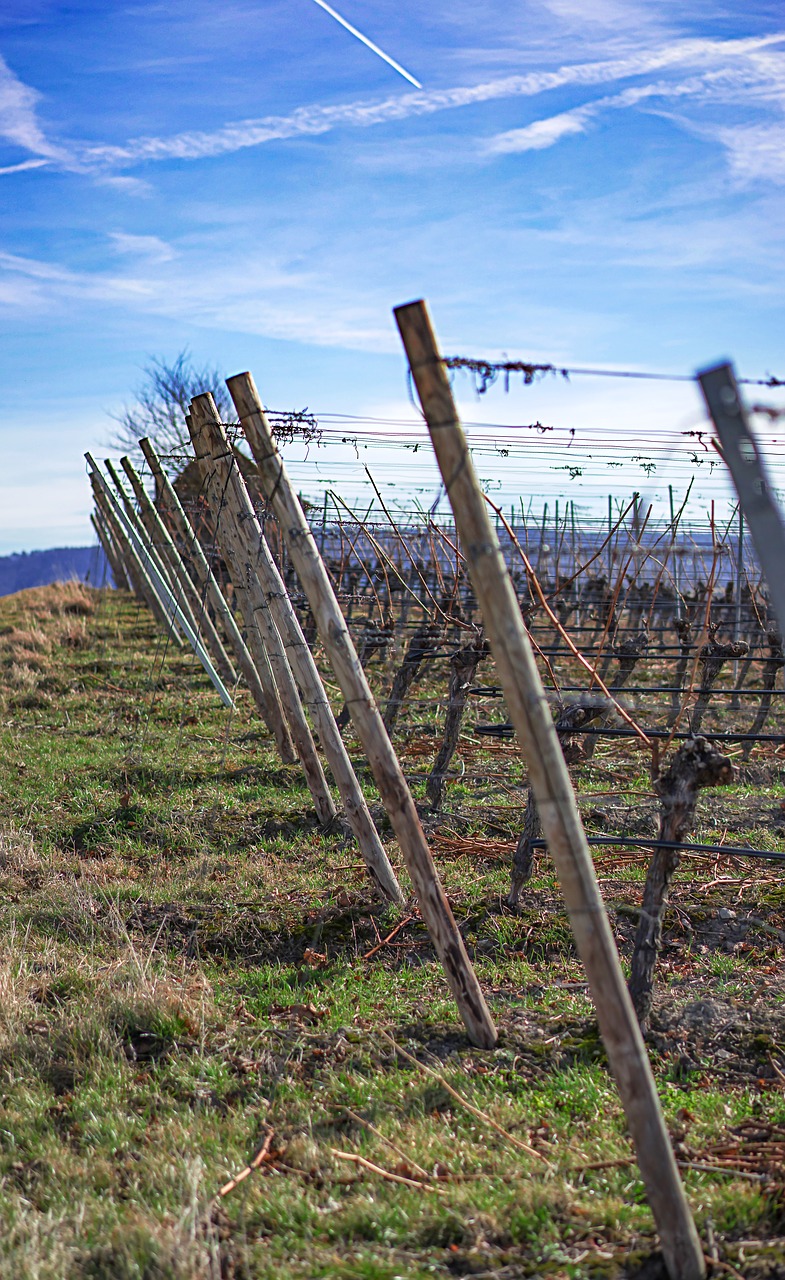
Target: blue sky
x=590, y=184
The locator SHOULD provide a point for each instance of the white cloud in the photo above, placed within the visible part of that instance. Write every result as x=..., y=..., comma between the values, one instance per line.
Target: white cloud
x=24, y=164
x=122, y=182
x=756, y=153
x=542, y=133
x=18, y=120
x=149, y=248
x=751, y=69
x=724, y=84
x=313, y=121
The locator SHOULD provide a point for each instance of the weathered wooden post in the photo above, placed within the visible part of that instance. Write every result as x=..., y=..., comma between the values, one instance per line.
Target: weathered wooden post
x=136, y=557
x=739, y=449
x=264, y=645
x=160, y=589
x=187, y=595
x=155, y=572
x=394, y=791
x=202, y=566
x=236, y=544
x=240, y=510
x=109, y=550
x=528, y=709
x=118, y=538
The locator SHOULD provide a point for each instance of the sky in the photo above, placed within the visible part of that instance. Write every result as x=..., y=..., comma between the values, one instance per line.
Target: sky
x=586, y=184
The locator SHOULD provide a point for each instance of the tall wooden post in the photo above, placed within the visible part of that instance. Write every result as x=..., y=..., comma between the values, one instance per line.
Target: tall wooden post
x=394, y=791
x=136, y=557
x=263, y=639
x=161, y=591
x=528, y=709
x=207, y=578
x=240, y=510
x=187, y=594
x=155, y=571
x=740, y=450
x=109, y=550
x=118, y=538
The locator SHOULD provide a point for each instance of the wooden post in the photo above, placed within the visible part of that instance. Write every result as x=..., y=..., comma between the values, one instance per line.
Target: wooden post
x=528, y=709
x=237, y=543
x=268, y=664
x=463, y=670
x=188, y=597
x=251, y=535
x=740, y=451
x=191, y=542
x=146, y=532
x=162, y=593
x=393, y=789
x=109, y=550
x=119, y=540
x=155, y=572
x=136, y=557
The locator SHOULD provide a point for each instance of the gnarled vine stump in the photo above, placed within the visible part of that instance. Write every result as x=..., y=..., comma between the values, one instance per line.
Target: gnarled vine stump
x=463, y=669
x=695, y=765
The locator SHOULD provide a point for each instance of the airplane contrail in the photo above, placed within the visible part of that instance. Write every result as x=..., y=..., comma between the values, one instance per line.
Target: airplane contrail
x=396, y=66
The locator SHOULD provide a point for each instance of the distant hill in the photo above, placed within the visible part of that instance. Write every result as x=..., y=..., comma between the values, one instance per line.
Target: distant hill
x=39, y=568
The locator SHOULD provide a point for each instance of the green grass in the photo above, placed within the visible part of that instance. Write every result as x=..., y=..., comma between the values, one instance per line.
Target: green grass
x=182, y=969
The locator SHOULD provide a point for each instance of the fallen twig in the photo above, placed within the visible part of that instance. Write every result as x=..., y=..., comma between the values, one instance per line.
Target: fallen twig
x=387, y=1141
x=778, y=1073
x=389, y=938
x=383, y=1173
x=262, y=1156
x=475, y=1111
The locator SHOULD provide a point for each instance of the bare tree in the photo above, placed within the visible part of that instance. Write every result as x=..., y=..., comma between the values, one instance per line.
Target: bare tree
x=162, y=401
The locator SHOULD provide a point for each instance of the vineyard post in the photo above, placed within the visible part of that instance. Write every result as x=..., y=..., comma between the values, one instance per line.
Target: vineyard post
x=116, y=547
x=147, y=534
x=163, y=594
x=529, y=711
x=207, y=578
x=676, y=556
x=740, y=451
x=289, y=727
x=324, y=524
x=195, y=610
x=137, y=558
x=573, y=551
x=301, y=661
x=739, y=574
x=557, y=547
x=393, y=788
x=109, y=550
x=155, y=571
x=119, y=540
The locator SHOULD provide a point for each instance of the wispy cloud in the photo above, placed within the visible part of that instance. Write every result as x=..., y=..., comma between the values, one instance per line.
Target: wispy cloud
x=23, y=165
x=753, y=150
x=754, y=64
x=756, y=153
x=542, y=133
x=147, y=248
x=19, y=122
x=312, y=121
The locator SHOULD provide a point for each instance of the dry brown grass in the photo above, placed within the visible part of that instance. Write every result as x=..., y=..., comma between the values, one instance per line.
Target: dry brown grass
x=32, y=639
x=57, y=599
x=21, y=676
x=74, y=634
